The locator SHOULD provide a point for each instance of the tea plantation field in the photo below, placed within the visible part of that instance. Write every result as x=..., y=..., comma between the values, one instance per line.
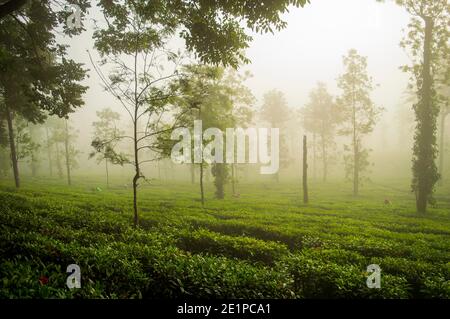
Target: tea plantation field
x=263, y=244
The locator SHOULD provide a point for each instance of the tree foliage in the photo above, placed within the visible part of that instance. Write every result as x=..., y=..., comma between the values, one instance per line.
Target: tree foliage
x=427, y=43
x=37, y=78
x=276, y=112
x=359, y=114
x=321, y=117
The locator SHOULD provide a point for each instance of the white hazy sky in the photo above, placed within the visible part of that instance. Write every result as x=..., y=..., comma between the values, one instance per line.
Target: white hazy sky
x=310, y=49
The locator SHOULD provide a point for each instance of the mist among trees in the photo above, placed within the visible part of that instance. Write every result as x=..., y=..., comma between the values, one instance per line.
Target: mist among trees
x=88, y=112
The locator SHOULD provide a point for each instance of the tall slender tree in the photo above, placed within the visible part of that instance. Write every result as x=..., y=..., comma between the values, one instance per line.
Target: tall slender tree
x=359, y=114
x=427, y=42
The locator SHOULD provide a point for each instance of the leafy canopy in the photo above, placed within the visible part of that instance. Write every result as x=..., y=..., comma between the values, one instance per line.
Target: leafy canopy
x=214, y=30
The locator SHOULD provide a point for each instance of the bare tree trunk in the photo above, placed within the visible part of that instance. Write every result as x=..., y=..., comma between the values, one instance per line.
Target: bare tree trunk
x=137, y=169
x=136, y=177
x=66, y=147
x=137, y=174
x=305, y=171
x=12, y=146
x=49, y=152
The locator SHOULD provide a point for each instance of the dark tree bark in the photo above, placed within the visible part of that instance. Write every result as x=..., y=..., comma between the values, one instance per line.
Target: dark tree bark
x=137, y=169
x=305, y=171
x=12, y=146
x=425, y=137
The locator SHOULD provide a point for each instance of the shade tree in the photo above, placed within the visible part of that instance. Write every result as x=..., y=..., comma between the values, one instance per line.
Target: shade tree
x=37, y=77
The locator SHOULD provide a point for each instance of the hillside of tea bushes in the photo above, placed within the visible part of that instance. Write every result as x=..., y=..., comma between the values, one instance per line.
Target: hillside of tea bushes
x=264, y=244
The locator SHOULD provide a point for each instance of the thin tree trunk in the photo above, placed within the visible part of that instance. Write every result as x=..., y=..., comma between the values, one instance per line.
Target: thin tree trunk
x=305, y=171
x=136, y=146
x=135, y=207
x=66, y=147
x=137, y=174
x=425, y=136
x=12, y=146
x=49, y=152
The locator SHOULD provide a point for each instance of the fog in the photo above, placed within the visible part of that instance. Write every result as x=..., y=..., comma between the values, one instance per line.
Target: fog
x=174, y=153
x=309, y=50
